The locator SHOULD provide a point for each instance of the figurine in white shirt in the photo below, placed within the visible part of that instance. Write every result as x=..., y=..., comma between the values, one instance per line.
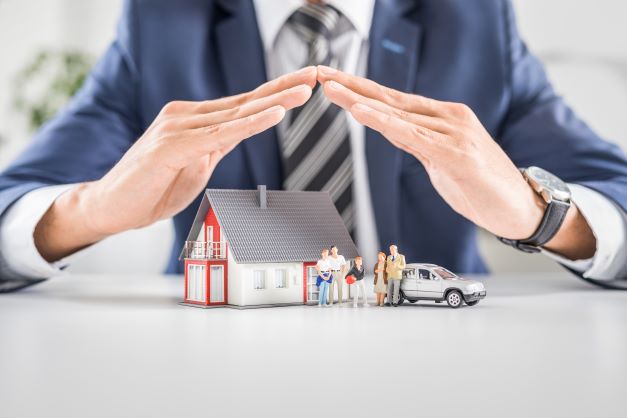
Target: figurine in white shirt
x=324, y=277
x=338, y=270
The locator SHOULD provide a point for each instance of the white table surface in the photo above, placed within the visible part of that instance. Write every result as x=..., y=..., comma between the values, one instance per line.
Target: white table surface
x=109, y=346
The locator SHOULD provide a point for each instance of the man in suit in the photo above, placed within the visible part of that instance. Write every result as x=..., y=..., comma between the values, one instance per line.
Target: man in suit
x=394, y=267
x=453, y=101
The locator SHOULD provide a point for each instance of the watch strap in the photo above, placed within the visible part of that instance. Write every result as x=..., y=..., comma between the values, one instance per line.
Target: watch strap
x=551, y=222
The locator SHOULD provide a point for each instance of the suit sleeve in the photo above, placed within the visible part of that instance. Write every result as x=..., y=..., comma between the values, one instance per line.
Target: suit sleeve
x=92, y=133
x=540, y=129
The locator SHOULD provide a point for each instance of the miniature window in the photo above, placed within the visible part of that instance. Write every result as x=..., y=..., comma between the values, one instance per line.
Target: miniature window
x=444, y=273
x=259, y=279
x=312, y=289
x=409, y=274
x=424, y=274
x=280, y=279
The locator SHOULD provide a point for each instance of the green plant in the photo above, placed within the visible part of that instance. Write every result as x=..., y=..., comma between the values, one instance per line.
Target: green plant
x=48, y=82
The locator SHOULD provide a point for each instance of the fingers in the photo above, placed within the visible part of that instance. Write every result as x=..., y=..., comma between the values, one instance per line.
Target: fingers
x=368, y=88
x=346, y=98
x=415, y=140
x=305, y=76
x=224, y=136
x=288, y=99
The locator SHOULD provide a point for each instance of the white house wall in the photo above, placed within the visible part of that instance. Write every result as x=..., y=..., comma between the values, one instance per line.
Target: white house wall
x=235, y=296
x=241, y=283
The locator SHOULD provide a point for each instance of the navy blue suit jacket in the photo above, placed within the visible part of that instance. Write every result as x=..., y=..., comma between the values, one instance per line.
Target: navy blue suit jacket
x=453, y=50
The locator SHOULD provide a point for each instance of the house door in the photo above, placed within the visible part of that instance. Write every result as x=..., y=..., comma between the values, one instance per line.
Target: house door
x=216, y=284
x=196, y=283
x=429, y=285
x=312, y=289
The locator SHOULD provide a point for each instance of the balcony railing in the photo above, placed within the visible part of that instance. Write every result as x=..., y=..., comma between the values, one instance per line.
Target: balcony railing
x=199, y=250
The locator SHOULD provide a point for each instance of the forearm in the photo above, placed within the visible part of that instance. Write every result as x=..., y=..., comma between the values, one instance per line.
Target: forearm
x=19, y=256
x=608, y=223
x=67, y=226
x=575, y=239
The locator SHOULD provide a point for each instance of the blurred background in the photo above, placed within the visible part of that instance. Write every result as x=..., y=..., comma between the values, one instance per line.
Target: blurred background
x=47, y=45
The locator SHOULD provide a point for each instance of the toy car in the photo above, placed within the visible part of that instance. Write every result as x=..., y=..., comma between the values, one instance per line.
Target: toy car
x=432, y=282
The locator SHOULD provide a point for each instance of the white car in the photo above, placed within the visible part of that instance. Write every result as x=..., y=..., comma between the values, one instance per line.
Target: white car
x=432, y=282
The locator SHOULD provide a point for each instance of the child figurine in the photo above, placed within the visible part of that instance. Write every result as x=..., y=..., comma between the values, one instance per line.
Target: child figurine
x=359, y=286
x=380, y=279
x=324, y=277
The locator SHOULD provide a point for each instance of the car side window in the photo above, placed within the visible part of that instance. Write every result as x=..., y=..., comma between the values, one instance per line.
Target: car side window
x=432, y=276
x=424, y=274
x=409, y=274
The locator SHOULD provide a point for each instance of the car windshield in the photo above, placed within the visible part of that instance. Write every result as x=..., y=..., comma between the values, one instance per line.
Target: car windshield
x=444, y=273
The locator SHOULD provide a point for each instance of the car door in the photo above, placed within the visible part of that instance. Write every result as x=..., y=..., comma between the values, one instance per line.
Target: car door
x=429, y=284
x=409, y=283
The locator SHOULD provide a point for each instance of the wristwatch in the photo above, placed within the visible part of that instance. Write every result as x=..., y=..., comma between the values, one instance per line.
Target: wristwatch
x=557, y=196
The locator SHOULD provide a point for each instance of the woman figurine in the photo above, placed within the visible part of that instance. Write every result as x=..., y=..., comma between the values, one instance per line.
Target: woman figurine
x=380, y=279
x=324, y=277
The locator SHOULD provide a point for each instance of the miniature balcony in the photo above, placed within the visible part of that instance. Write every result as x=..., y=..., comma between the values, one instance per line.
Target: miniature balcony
x=199, y=250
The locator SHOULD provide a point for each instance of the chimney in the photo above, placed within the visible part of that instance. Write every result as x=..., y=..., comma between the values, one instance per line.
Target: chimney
x=263, y=197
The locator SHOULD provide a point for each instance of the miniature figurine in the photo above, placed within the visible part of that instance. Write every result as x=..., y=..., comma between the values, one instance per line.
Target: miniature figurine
x=358, y=286
x=324, y=277
x=432, y=282
x=380, y=279
x=394, y=267
x=338, y=271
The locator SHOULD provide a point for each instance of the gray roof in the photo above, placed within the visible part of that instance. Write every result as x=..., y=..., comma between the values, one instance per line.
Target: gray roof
x=294, y=226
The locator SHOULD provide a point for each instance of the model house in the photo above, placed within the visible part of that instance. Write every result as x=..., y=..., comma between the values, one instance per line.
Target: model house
x=249, y=248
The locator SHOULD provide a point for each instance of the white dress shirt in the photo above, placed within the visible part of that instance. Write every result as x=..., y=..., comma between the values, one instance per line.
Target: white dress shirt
x=286, y=52
x=336, y=264
x=323, y=265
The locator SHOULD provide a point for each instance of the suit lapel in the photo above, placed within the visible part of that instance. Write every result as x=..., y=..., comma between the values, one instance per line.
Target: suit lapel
x=241, y=55
x=392, y=62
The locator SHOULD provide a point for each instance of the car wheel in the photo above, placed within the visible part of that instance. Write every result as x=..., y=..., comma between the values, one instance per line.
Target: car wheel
x=454, y=299
x=473, y=303
x=401, y=299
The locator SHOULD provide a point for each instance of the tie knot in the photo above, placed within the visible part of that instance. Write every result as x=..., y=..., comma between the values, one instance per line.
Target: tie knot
x=314, y=21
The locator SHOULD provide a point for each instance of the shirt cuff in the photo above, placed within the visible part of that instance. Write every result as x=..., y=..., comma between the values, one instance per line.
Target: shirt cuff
x=608, y=223
x=20, y=257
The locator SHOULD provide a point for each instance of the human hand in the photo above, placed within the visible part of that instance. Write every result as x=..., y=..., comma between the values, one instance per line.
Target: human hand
x=465, y=165
x=168, y=166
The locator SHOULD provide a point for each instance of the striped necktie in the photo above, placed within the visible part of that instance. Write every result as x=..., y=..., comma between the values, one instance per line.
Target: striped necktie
x=316, y=146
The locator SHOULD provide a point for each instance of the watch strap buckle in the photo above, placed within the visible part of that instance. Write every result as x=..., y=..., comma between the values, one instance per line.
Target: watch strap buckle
x=527, y=248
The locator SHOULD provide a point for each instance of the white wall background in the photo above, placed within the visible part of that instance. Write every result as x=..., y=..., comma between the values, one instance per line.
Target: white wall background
x=583, y=45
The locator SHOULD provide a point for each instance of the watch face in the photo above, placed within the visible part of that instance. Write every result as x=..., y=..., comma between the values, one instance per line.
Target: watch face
x=547, y=181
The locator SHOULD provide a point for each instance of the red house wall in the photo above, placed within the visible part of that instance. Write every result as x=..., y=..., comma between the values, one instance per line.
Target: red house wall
x=225, y=265
x=200, y=263
x=211, y=220
x=306, y=265
x=208, y=265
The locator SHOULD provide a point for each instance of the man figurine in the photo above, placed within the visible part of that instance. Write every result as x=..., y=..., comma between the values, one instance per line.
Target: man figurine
x=359, y=286
x=338, y=271
x=395, y=266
